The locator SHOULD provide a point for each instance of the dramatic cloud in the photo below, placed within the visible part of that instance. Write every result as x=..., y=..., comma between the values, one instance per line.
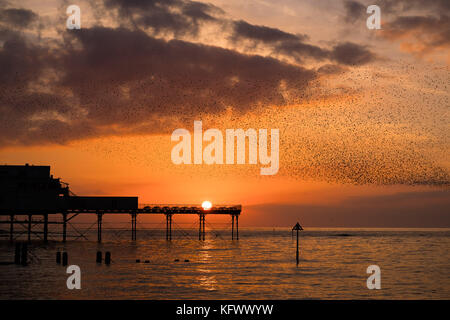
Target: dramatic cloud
x=125, y=78
x=20, y=18
x=294, y=46
x=354, y=11
x=352, y=54
x=264, y=34
x=182, y=18
x=170, y=77
x=111, y=80
x=177, y=16
x=147, y=76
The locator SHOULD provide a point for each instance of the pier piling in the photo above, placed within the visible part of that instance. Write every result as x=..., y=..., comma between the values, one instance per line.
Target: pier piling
x=98, y=258
x=107, y=257
x=232, y=227
x=133, y=225
x=58, y=257
x=99, y=227
x=168, y=226
x=237, y=227
x=201, y=231
x=65, y=259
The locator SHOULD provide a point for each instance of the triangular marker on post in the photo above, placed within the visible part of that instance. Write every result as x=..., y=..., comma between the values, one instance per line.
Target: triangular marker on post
x=298, y=228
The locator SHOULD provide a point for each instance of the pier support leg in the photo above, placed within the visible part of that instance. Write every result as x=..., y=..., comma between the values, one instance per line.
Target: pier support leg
x=232, y=227
x=237, y=227
x=201, y=227
x=168, y=226
x=99, y=227
x=11, y=228
x=29, y=227
x=133, y=226
x=64, y=215
x=203, y=232
x=45, y=227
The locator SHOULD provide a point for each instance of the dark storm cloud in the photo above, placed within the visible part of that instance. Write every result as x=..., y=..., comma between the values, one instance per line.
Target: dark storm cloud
x=294, y=46
x=244, y=30
x=111, y=81
x=20, y=61
x=170, y=77
x=161, y=16
x=331, y=69
x=178, y=16
x=121, y=79
x=354, y=11
x=352, y=54
x=19, y=18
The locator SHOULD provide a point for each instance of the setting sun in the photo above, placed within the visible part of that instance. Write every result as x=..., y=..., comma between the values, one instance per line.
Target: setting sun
x=206, y=205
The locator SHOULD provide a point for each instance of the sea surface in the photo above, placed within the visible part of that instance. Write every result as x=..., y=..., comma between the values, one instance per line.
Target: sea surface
x=414, y=264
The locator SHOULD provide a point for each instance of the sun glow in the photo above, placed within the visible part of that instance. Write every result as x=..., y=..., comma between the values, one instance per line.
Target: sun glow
x=206, y=205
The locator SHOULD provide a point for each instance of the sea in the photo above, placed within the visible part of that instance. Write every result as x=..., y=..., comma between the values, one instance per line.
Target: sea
x=333, y=263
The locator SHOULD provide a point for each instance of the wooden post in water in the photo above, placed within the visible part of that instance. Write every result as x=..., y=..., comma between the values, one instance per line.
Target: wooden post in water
x=65, y=259
x=298, y=228
x=107, y=258
x=98, y=257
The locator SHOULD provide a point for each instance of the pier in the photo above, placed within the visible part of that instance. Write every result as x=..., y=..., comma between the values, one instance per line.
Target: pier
x=29, y=195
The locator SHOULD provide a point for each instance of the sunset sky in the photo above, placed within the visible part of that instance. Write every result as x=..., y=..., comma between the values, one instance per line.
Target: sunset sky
x=363, y=114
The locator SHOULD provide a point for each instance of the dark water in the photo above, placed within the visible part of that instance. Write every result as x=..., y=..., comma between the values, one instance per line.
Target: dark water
x=261, y=265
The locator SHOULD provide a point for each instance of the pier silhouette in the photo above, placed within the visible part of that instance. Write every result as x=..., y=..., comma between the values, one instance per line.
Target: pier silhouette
x=31, y=192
